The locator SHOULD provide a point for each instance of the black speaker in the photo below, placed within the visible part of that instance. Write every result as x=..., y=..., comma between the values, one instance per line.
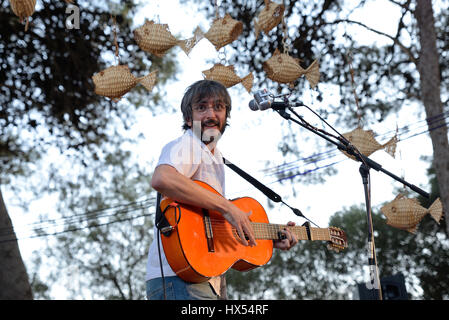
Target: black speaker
x=393, y=288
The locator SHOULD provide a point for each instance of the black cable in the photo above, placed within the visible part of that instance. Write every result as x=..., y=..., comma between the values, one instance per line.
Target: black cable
x=160, y=262
x=177, y=219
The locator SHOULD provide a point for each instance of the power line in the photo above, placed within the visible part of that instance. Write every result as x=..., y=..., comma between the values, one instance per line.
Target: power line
x=73, y=229
x=313, y=159
x=67, y=221
x=84, y=215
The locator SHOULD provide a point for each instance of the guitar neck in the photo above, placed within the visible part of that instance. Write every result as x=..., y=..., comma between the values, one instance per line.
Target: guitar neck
x=271, y=231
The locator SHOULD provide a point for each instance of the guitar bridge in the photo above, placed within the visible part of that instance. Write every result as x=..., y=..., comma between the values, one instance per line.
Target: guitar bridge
x=208, y=229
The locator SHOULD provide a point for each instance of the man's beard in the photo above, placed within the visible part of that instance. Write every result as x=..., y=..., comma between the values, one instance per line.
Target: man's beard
x=209, y=135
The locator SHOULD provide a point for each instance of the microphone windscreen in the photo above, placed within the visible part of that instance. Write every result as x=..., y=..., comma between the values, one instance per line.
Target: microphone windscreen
x=253, y=106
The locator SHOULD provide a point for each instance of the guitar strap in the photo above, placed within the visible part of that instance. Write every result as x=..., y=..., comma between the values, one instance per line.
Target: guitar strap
x=264, y=189
x=273, y=196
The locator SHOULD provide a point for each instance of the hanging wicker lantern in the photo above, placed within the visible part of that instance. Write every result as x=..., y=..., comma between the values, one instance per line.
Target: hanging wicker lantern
x=227, y=76
x=284, y=69
x=157, y=39
x=269, y=17
x=365, y=142
x=224, y=31
x=23, y=9
x=114, y=82
x=404, y=213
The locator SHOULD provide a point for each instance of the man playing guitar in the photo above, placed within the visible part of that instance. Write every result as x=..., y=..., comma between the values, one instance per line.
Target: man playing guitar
x=206, y=108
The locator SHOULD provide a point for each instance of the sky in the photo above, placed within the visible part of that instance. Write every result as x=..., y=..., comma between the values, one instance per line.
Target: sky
x=253, y=137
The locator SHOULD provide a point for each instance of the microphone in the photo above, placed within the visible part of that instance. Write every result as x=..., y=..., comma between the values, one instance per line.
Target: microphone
x=253, y=106
x=261, y=102
x=275, y=105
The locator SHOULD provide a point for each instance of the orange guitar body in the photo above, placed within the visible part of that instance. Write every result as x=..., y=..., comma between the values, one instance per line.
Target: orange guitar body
x=203, y=244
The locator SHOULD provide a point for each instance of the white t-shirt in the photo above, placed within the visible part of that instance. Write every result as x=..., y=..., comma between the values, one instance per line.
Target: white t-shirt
x=192, y=158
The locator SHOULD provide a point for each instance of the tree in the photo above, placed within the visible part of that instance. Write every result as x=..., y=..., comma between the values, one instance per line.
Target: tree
x=310, y=272
x=100, y=250
x=387, y=77
x=432, y=289
x=429, y=70
x=13, y=276
x=47, y=98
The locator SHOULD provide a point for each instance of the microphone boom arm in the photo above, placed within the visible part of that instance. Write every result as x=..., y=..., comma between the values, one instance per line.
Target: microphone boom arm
x=344, y=145
x=350, y=149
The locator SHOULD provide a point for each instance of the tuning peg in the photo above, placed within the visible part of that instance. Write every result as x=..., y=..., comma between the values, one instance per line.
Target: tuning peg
x=333, y=248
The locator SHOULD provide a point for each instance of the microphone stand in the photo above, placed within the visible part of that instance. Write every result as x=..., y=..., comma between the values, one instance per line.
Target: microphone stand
x=367, y=164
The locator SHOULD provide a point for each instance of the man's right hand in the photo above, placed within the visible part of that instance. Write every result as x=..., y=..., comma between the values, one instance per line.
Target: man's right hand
x=240, y=221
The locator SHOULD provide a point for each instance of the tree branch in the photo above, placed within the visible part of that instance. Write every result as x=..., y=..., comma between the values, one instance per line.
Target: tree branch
x=402, y=5
x=401, y=20
x=395, y=40
x=111, y=276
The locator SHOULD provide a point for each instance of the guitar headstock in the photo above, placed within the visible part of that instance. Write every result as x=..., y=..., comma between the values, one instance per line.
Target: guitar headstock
x=337, y=240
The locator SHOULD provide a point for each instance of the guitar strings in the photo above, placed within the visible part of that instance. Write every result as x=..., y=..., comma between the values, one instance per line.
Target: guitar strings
x=221, y=227
x=265, y=231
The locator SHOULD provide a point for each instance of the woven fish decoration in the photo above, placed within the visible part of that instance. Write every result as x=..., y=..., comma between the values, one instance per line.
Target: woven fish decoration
x=227, y=76
x=114, y=82
x=156, y=38
x=284, y=69
x=224, y=31
x=269, y=17
x=404, y=213
x=23, y=9
x=365, y=142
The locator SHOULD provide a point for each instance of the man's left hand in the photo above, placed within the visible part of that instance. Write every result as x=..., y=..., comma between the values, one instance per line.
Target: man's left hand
x=289, y=241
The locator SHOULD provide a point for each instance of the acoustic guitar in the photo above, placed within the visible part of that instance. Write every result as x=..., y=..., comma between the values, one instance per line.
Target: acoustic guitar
x=201, y=244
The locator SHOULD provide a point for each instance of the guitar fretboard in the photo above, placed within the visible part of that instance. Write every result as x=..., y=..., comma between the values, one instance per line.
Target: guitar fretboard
x=271, y=231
